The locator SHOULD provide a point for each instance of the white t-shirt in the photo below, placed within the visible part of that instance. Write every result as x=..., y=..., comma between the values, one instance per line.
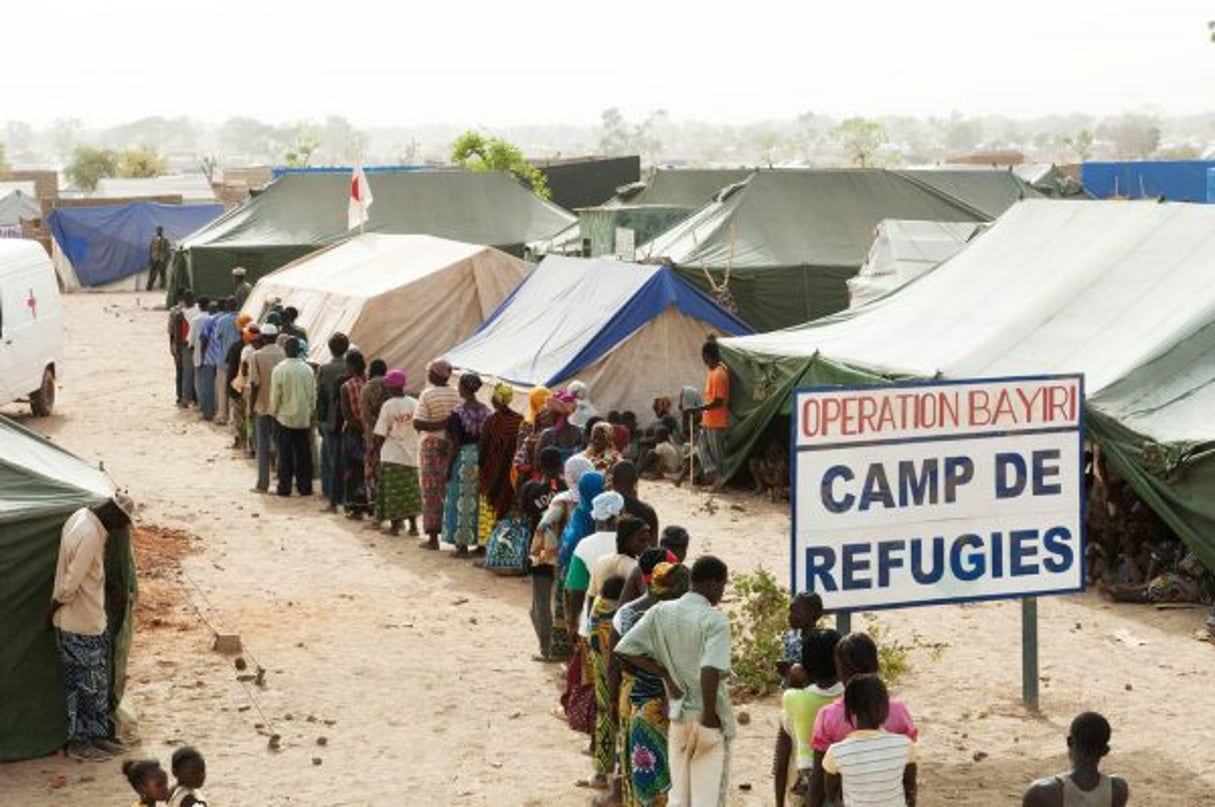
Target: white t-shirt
x=589, y=550
x=870, y=765
x=395, y=425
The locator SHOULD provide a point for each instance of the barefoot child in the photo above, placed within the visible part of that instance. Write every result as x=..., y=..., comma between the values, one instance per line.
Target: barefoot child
x=872, y=766
x=190, y=771
x=148, y=780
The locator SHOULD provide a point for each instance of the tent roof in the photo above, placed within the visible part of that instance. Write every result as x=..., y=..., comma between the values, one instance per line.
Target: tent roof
x=310, y=208
x=18, y=205
x=988, y=191
x=109, y=242
x=679, y=187
x=571, y=311
x=823, y=217
x=371, y=264
x=37, y=476
x=190, y=187
x=1053, y=286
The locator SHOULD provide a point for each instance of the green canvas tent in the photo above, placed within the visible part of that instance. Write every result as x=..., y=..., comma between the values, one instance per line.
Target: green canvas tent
x=301, y=212
x=40, y=486
x=648, y=208
x=785, y=241
x=1120, y=291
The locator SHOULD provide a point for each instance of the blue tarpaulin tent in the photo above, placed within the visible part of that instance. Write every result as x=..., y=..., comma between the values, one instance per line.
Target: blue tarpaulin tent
x=108, y=243
x=632, y=332
x=1172, y=180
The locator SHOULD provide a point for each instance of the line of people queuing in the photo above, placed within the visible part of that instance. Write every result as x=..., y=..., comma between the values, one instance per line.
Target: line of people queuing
x=552, y=492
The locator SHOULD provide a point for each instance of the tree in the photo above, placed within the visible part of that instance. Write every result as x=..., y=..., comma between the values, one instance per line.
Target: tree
x=304, y=139
x=65, y=135
x=141, y=162
x=614, y=140
x=1135, y=134
x=1080, y=144
x=861, y=140
x=476, y=152
x=89, y=165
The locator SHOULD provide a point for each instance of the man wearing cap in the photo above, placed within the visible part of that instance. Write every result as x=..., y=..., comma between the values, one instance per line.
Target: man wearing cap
x=261, y=373
x=78, y=617
x=241, y=287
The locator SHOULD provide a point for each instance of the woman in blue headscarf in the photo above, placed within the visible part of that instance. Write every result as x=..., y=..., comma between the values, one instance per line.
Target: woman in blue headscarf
x=581, y=523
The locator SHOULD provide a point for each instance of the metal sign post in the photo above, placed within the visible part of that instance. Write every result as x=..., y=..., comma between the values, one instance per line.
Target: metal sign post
x=1029, y=653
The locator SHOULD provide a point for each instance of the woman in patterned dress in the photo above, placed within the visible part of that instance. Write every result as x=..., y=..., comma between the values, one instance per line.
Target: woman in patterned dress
x=462, y=505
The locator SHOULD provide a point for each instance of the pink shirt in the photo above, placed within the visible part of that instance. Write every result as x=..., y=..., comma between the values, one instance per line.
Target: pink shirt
x=831, y=725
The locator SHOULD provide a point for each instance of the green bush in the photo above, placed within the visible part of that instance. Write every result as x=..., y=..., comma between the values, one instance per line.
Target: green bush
x=759, y=617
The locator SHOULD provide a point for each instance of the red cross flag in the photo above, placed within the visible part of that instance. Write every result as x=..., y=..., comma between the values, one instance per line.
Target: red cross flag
x=360, y=199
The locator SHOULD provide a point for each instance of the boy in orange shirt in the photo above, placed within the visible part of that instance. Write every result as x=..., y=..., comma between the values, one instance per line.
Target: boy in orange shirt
x=715, y=415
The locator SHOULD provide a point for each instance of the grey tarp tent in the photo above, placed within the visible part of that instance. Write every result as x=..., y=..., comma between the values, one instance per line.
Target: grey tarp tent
x=403, y=298
x=40, y=486
x=785, y=242
x=301, y=212
x=1119, y=291
x=16, y=207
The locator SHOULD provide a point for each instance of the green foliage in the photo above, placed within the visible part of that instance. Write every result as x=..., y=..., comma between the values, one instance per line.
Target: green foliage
x=1080, y=144
x=89, y=165
x=476, y=152
x=141, y=162
x=759, y=617
x=861, y=140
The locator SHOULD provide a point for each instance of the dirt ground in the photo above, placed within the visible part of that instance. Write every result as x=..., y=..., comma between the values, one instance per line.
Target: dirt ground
x=400, y=676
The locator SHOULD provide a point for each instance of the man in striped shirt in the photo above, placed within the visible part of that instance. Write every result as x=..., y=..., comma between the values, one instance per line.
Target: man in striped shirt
x=871, y=767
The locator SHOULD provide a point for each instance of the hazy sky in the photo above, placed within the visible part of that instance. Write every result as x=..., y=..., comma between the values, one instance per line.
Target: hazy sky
x=495, y=62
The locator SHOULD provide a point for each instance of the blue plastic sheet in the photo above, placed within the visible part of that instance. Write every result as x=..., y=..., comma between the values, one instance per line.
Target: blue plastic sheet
x=111, y=242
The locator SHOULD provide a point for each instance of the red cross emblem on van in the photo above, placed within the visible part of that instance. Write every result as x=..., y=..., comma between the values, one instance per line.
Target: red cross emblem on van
x=32, y=302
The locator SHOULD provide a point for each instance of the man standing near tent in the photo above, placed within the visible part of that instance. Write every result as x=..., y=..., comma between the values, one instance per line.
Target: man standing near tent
x=328, y=378
x=292, y=404
x=715, y=418
x=241, y=287
x=179, y=328
x=78, y=616
x=158, y=259
x=261, y=372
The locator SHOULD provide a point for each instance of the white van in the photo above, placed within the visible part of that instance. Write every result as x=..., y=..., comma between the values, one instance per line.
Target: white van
x=31, y=325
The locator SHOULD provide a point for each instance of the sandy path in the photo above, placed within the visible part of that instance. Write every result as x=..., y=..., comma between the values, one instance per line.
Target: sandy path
x=416, y=669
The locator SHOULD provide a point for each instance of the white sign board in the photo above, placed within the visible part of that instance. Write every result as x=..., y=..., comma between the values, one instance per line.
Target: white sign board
x=920, y=493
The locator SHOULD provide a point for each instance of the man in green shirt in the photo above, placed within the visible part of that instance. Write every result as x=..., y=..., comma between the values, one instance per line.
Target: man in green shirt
x=292, y=405
x=687, y=644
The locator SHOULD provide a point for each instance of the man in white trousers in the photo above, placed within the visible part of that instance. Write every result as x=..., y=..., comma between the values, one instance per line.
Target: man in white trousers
x=687, y=643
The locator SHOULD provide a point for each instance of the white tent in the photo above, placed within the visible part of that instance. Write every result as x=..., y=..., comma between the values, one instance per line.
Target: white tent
x=403, y=298
x=631, y=332
x=190, y=187
x=902, y=251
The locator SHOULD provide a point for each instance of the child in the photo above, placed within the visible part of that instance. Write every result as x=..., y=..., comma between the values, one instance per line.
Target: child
x=872, y=766
x=812, y=685
x=190, y=771
x=1088, y=740
x=148, y=779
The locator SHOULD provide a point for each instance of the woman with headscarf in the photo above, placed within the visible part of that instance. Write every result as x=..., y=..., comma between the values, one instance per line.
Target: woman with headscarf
x=435, y=405
x=498, y=440
x=536, y=419
x=600, y=450
x=584, y=410
x=462, y=506
x=399, y=495
x=354, y=444
x=545, y=561
x=564, y=435
x=645, y=771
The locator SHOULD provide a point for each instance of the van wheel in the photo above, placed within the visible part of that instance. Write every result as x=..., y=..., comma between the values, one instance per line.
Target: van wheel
x=42, y=400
